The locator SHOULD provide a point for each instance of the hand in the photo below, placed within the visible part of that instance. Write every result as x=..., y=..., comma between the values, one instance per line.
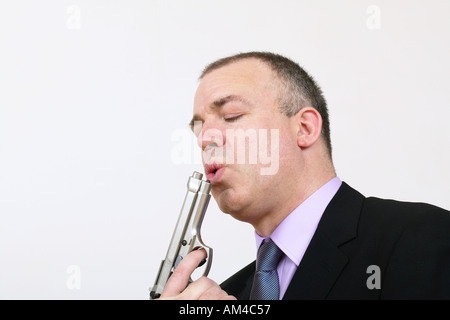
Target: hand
x=201, y=289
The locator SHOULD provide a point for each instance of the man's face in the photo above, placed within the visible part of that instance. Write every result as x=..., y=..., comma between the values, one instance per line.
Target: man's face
x=236, y=112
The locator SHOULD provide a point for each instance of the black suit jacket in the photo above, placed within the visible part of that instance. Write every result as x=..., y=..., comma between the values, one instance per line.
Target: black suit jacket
x=408, y=242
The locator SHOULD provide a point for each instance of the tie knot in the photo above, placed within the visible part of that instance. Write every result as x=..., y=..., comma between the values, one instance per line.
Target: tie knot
x=268, y=256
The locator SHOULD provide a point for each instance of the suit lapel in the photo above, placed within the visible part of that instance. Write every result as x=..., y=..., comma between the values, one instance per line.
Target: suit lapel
x=323, y=260
x=318, y=270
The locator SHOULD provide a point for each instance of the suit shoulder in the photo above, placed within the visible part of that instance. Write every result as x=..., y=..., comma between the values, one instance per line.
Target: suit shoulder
x=384, y=212
x=417, y=239
x=410, y=209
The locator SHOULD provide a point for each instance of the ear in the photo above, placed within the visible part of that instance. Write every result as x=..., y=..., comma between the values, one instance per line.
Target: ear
x=309, y=126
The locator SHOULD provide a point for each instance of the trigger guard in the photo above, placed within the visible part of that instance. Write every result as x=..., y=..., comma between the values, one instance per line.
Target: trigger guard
x=202, y=263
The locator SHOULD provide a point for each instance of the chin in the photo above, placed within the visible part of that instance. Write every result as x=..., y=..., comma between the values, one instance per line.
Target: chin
x=234, y=204
x=227, y=200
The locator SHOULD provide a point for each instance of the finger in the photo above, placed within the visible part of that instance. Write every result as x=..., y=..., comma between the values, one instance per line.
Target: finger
x=228, y=297
x=215, y=293
x=178, y=281
x=198, y=288
x=204, y=289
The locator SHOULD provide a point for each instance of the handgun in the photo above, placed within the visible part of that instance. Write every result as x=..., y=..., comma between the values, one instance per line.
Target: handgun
x=186, y=236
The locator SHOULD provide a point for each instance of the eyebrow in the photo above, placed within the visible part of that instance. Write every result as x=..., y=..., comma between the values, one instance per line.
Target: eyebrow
x=217, y=104
x=231, y=98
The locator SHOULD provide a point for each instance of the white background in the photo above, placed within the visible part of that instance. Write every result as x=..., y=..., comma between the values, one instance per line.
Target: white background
x=93, y=95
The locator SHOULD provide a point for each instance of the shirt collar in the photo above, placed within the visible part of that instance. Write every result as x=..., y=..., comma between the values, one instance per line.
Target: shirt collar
x=295, y=232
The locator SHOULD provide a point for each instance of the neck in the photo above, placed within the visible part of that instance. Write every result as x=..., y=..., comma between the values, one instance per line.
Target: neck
x=305, y=185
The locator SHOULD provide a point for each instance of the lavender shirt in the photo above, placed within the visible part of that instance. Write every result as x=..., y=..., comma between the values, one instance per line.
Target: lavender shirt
x=295, y=232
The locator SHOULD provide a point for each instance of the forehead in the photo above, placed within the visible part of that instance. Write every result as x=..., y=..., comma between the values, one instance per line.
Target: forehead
x=248, y=78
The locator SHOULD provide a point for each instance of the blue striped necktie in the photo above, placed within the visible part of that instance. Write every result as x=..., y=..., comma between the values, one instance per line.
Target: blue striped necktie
x=266, y=285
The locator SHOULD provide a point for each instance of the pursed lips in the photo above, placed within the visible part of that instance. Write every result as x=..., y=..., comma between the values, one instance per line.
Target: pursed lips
x=214, y=172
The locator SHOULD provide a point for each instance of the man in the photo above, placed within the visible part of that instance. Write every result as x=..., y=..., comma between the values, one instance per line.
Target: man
x=330, y=241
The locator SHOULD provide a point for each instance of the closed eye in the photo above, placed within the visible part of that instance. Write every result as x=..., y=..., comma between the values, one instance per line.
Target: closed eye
x=232, y=118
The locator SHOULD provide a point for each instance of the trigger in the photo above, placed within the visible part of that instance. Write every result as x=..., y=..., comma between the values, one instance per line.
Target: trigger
x=201, y=263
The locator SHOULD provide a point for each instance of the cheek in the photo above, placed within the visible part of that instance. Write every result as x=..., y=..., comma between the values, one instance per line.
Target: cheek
x=287, y=142
x=237, y=188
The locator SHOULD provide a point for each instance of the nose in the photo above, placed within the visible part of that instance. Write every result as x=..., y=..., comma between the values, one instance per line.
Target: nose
x=210, y=135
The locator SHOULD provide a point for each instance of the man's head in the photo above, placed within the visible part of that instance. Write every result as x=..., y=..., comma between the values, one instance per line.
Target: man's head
x=297, y=89
x=283, y=112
